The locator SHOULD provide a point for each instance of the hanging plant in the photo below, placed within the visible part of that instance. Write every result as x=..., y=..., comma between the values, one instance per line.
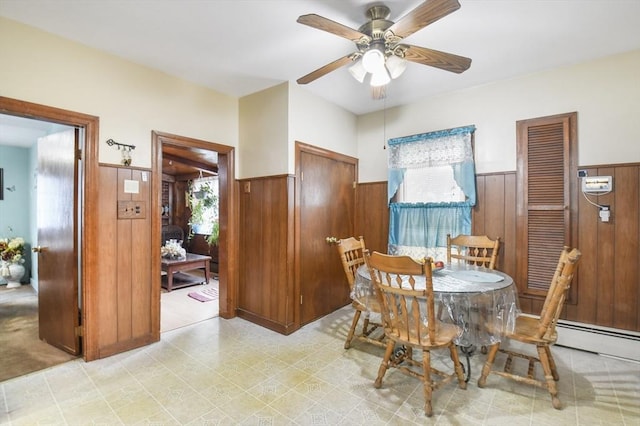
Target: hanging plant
x=200, y=202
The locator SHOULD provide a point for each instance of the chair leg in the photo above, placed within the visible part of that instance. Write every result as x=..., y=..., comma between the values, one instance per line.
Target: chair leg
x=428, y=388
x=548, y=376
x=462, y=384
x=552, y=363
x=352, y=330
x=365, y=326
x=388, y=352
x=486, y=369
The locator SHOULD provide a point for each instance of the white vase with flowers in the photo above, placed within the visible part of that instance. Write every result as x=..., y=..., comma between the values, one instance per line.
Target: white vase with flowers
x=12, y=260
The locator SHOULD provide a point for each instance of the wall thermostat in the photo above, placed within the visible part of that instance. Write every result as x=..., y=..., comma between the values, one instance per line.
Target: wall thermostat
x=597, y=184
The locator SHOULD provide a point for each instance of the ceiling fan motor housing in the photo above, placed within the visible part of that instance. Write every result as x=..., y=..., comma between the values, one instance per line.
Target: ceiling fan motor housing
x=375, y=27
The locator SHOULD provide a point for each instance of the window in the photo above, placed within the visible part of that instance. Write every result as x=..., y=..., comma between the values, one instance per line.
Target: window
x=431, y=190
x=430, y=185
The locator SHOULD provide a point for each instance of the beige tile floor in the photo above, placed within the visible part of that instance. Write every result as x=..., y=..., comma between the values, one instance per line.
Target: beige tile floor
x=177, y=309
x=222, y=372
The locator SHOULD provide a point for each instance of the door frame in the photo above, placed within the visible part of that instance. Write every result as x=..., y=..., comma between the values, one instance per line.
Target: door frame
x=228, y=244
x=88, y=191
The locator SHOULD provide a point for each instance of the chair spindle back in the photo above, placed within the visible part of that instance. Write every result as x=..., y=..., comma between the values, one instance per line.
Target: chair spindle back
x=478, y=250
x=407, y=312
x=351, y=252
x=554, y=302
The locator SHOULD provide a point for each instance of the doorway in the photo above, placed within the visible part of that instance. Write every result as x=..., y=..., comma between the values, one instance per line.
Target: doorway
x=22, y=337
x=189, y=212
x=189, y=158
x=43, y=120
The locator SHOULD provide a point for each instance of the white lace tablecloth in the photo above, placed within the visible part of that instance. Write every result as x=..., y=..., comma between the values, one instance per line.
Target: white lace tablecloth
x=482, y=302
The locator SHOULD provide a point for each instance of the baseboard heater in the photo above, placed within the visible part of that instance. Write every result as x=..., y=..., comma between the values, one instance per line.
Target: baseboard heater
x=602, y=340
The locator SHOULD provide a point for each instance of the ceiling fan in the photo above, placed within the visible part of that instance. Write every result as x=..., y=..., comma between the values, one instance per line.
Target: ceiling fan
x=380, y=52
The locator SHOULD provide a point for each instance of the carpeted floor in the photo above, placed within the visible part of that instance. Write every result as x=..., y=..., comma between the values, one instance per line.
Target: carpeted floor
x=21, y=351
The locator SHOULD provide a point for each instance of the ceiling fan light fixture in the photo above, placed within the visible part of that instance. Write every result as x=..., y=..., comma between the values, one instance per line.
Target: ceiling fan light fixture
x=396, y=66
x=373, y=60
x=380, y=78
x=358, y=72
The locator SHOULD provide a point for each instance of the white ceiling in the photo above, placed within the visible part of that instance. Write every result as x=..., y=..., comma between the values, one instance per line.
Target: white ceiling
x=239, y=47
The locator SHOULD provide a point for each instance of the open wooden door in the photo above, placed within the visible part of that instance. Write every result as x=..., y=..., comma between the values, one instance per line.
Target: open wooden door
x=57, y=240
x=327, y=209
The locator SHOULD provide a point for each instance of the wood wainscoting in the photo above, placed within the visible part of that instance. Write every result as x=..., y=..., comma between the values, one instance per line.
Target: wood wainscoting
x=372, y=216
x=127, y=316
x=265, y=281
x=607, y=287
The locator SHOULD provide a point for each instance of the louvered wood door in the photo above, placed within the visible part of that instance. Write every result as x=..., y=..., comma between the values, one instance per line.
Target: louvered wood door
x=546, y=198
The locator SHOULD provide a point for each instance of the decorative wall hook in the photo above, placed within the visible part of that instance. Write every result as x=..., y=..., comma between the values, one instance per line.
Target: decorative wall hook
x=125, y=149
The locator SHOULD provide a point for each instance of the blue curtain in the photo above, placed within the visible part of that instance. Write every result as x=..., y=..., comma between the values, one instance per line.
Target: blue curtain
x=426, y=224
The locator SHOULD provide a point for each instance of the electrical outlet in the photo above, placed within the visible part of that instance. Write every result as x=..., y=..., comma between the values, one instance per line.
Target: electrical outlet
x=605, y=213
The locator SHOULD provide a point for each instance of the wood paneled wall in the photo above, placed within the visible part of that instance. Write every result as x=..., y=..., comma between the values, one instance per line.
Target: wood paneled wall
x=266, y=262
x=372, y=216
x=127, y=314
x=607, y=286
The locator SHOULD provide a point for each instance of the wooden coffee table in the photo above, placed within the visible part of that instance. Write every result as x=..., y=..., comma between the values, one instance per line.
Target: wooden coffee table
x=177, y=271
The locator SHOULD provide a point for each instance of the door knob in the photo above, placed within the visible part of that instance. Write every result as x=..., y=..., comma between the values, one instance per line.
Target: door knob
x=331, y=240
x=38, y=249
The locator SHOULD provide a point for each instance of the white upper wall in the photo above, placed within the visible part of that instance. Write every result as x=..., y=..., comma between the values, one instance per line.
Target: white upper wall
x=605, y=94
x=317, y=122
x=131, y=100
x=273, y=120
x=263, y=149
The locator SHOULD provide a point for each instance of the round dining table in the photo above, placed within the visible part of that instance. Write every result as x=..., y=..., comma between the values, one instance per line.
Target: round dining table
x=482, y=302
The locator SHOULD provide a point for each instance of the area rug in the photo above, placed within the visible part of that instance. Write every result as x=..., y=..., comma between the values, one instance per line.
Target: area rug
x=205, y=295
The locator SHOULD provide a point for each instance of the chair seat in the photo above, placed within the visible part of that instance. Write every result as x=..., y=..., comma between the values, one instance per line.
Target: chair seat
x=445, y=333
x=525, y=331
x=372, y=306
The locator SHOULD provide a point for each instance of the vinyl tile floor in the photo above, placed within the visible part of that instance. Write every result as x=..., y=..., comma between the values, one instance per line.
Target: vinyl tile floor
x=223, y=372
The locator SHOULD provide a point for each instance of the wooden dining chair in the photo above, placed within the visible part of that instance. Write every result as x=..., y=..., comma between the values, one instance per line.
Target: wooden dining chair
x=351, y=252
x=475, y=249
x=538, y=331
x=409, y=320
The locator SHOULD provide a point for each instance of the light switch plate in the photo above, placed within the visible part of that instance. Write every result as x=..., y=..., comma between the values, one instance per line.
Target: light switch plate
x=132, y=209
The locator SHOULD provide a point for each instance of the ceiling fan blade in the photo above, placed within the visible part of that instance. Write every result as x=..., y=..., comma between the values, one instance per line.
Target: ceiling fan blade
x=436, y=58
x=325, y=69
x=324, y=24
x=423, y=15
